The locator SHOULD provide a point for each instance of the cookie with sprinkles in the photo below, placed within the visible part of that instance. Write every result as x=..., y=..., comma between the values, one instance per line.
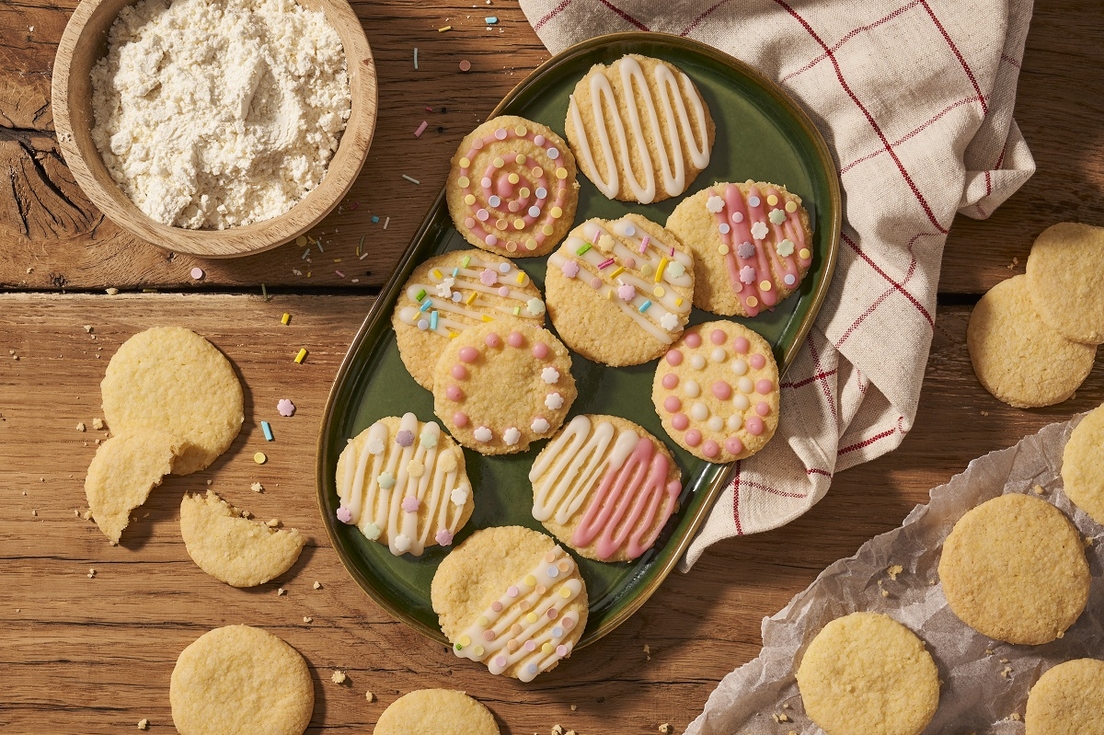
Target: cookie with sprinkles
x=620, y=292
x=512, y=599
x=716, y=391
x=605, y=487
x=752, y=245
x=449, y=293
x=403, y=483
x=502, y=385
x=512, y=188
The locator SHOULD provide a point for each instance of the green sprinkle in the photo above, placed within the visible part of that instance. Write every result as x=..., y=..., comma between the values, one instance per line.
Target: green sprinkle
x=264, y=292
x=420, y=295
x=583, y=249
x=466, y=261
x=517, y=311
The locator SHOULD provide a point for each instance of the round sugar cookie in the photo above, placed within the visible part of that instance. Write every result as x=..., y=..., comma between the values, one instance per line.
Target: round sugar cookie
x=512, y=188
x=752, y=245
x=499, y=386
x=449, y=293
x=866, y=674
x=233, y=549
x=1014, y=569
x=1066, y=282
x=172, y=380
x=512, y=599
x=403, y=483
x=1083, y=465
x=620, y=292
x=716, y=392
x=124, y=471
x=240, y=679
x=640, y=129
x=1066, y=700
x=436, y=712
x=605, y=487
x=1016, y=356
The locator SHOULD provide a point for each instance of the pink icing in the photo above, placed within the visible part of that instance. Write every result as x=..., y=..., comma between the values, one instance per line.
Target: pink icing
x=454, y=393
x=718, y=337
x=540, y=350
x=764, y=386
x=693, y=437
x=460, y=419
x=515, y=339
x=733, y=445
x=693, y=340
x=468, y=354
x=670, y=381
x=459, y=372
x=757, y=361
x=492, y=340
x=754, y=425
x=710, y=449
x=680, y=422
x=672, y=403
x=674, y=358
x=722, y=390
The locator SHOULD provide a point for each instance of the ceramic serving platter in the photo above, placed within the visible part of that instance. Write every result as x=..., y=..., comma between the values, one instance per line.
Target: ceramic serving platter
x=761, y=134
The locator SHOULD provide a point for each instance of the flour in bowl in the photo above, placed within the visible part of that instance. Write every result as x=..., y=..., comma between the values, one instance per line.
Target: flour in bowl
x=219, y=113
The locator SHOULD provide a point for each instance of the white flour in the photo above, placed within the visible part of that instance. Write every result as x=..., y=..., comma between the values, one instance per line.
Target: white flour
x=219, y=113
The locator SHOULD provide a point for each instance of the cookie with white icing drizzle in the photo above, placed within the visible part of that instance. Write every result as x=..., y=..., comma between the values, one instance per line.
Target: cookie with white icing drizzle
x=752, y=245
x=620, y=292
x=509, y=597
x=403, y=483
x=449, y=293
x=639, y=129
x=605, y=487
x=512, y=188
x=502, y=385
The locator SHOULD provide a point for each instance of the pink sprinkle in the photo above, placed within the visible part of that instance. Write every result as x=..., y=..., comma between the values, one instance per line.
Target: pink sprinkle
x=606, y=264
x=492, y=340
x=561, y=650
x=538, y=139
x=754, y=425
x=670, y=380
x=718, y=337
x=465, y=65
x=672, y=252
x=570, y=269
x=468, y=354
x=757, y=361
x=421, y=129
x=568, y=623
x=762, y=408
x=693, y=340
x=680, y=422
x=339, y=274
x=540, y=350
x=344, y=515
x=460, y=419
x=454, y=393
x=644, y=244
x=285, y=407
x=496, y=606
x=630, y=263
x=595, y=283
x=747, y=275
x=672, y=403
x=411, y=504
x=197, y=274
x=469, y=222
x=488, y=635
x=459, y=372
x=674, y=358
x=733, y=445
x=626, y=292
x=693, y=437
x=500, y=661
x=512, y=591
x=710, y=449
x=429, y=109
x=552, y=613
x=722, y=390
x=443, y=537
x=515, y=339
x=530, y=645
x=488, y=277
x=763, y=387
x=742, y=345
x=354, y=206
x=504, y=291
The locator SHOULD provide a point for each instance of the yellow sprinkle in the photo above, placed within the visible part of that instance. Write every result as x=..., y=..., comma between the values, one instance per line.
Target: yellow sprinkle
x=436, y=274
x=478, y=650
x=556, y=212
x=752, y=301
x=513, y=178
x=565, y=592
x=722, y=249
x=471, y=298
x=300, y=241
x=531, y=581
x=285, y=318
x=561, y=173
x=530, y=244
x=521, y=277
x=442, y=29
x=804, y=253
x=658, y=292
x=772, y=200
x=520, y=131
x=764, y=285
x=487, y=318
x=616, y=273
x=498, y=163
x=519, y=224
x=646, y=269
x=464, y=640
x=609, y=295
x=482, y=621
x=464, y=182
x=548, y=230
x=659, y=270
x=791, y=206
x=260, y=458
x=519, y=159
x=546, y=648
x=469, y=199
x=453, y=335
x=678, y=302
x=465, y=162
x=302, y=355
x=531, y=617
x=524, y=191
x=538, y=171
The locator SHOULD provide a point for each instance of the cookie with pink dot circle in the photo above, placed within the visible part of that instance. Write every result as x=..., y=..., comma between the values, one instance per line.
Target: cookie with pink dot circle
x=716, y=391
x=512, y=188
x=499, y=386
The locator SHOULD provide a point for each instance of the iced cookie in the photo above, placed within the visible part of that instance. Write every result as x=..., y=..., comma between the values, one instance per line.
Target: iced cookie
x=1016, y=356
x=1066, y=282
x=1083, y=465
x=403, y=483
x=436, y=712
x=620, y=292
x=605, y=487
x=512, y=187
x=172, y=380
x=512, y=599
x=866, y=673
x=716, y=392
x=234, y=549
x=751, y=242
x=1066, y=700
x=124, y=471
x=1014, y=569
x=240, y=679
x=639, y=129
x=499, y=386
x=449, y=293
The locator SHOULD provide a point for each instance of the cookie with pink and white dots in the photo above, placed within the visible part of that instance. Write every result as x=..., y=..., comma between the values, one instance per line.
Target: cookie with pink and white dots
x=501, y=385
x=716, y=391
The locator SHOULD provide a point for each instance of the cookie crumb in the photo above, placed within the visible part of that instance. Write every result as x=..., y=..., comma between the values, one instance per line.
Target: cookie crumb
x=33, y=512
x=894, y=570
x=338, y=677
x=87, y=515
x=273, y=523
x=88, y=328
x=557, y=730
x=647, y=652
x=281, y=592
x=308, y=619
x=370, y=697
x=1015, y=716
x=317, y=585
x=574, y=707
x=984, y=413
x=143, y=724
x=780, y=717
x=111, y=291
x=1038, y=490
x=666, y=728
x=81, y=426
x=246, y=514
x=257, y=487
x=91, y=573
x=1087, y=541
x=1006, y=672
x=97, y=423
x=885, y=593
x=989, y=651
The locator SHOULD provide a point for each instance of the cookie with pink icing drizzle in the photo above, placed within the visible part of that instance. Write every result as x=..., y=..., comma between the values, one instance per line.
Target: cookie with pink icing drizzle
x=501, y=385
x=605, y=487
x=512, y=188
x=752, y=245
x=716, y=391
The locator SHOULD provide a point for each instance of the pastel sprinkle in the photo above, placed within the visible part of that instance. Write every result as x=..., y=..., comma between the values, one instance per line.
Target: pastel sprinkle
x=285, y=319
x=302, y=355
x=260, y=458
x=582, y=250
x=659, y=269
x=616, y=273
x=197, y=274
x=411, y=179
x=267, y=429
x=433, y=320
x=285, y=407
x=465, y=65
x=645, y=306
x=416, y=65
x=411, y=504
x=426, y=305
x=644, y=244
x=442, y=29
x=606, y=264
x=344, y=515
x=421, y=128
x=490, y=20
x=404, y=438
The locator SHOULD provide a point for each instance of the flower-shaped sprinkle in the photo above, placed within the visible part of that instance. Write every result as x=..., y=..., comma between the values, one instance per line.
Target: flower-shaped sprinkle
x=554, y=401
x=745, y=250
x=785, y=248
x=534, y=306
x=777, y=216
x=570, y=269
x=550, y=375
x=402, y=543
x=511, y=436
x=428, y=440
x=626, y=292
x=386, y=480
x=488, y=277
x=410, y=504
x=759, y=230
x=747, y=274
x=371, y=531
x=344, y=514
x=482, y=434
x=714, y=204
x=443, y=537
x=669, y=322
x=375, y=446
x=459, y=495
x=404, y=438
x=540, y=425
x=285, y=407
x=675, y=269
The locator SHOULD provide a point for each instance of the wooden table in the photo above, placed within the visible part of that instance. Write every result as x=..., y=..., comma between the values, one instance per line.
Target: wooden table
x=92, y=653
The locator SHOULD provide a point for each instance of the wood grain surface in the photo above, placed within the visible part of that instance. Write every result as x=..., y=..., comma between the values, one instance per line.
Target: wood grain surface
x=92, y=653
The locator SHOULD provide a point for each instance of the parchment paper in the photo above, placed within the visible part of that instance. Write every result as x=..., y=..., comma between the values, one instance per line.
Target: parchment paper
x=985, y=682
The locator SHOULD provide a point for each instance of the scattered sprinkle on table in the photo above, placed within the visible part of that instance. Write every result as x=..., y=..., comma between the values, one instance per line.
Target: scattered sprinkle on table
x=285, y=407
x=301, y=356
x=411, y=179
x=386, y=222
x=339, y=274
x=491, y=20
x=415, y=58
x=421, y=129
x=260, y=458
x=197, y=274
x=375, y=219
x=267, y=429
x=465, y=65
x=285, y=319
x=442, y=29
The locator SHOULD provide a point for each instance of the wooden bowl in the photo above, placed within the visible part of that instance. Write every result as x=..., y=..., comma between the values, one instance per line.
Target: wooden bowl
x=85, y=42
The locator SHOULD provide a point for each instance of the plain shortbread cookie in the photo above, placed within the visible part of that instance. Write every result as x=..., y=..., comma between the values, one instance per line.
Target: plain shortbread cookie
x=1083, y=465
x=1066, y=281
x=124, y=471
x=436, y=712
x=1067, y=700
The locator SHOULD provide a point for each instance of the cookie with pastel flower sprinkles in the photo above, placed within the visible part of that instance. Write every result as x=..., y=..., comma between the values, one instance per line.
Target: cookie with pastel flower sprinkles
x=620, y=292
x=450, y=293
x=716, y=392
x=512, y=188
x=752, y=245
x=501, y=385
x=403, y=483
x=510, y=598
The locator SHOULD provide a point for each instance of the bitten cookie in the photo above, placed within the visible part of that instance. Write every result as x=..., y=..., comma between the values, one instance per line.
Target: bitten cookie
x=1014, y=569
x=449, y=293
x=605, y=487
x=866, y=673
x=1065, y=280
x=639, y=129
x=716, y=392
x=497, y=387
x=436, y=712
x=620, y=292
x=1083, y=465
x=752, y=245
x=240, y=679
x=1016, y=356
x=124, y=471
x=1066, y=700
x=403, y=483
x=512, y=187
x=512, y=599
